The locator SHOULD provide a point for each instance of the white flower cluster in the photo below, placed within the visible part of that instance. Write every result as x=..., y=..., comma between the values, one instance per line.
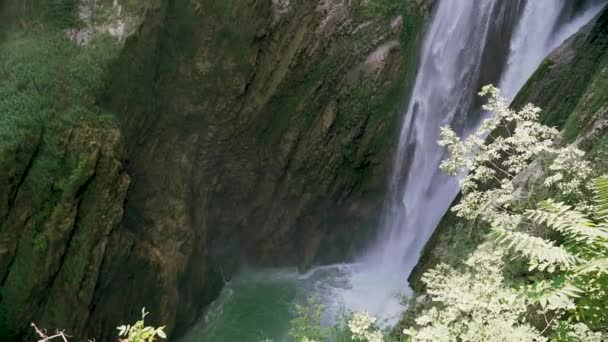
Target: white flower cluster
x=363, y=328
x=580, y=332
x=571, y=171
x=473, y=304
x=305, y=339
x=514, y=139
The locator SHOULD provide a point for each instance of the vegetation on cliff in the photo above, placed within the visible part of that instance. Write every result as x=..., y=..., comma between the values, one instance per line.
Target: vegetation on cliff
x=138, y=332
x=555, y=285
x=282, y=111
x=582, y=61
x=560, y=287
x=568, y=85
x=62, y=183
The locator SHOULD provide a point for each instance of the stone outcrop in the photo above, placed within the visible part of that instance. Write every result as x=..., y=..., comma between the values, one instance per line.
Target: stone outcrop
x=55, y=231
x=263, y=137
x=255, y=132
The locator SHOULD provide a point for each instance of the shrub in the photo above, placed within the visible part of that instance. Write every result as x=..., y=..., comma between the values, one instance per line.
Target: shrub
x=568, y=273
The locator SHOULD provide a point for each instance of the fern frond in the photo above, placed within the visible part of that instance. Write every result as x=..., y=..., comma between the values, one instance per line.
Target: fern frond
x=541, y=253
x=596, y=265
x=557, y=295
x=564, y=219
x=601, y=198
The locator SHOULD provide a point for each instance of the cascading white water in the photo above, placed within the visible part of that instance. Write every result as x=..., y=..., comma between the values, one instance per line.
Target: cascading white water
x=548, y=35
x=447, y=78
x=444, y=94
x=451, y=71
x=469, y=43
x=419, y=194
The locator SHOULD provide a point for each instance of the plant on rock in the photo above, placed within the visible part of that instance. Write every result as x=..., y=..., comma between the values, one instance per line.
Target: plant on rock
x=568, y=272
x=139, y=332
x=560, y=291
x=582, y=286
x=474, y=303
x=306, y=326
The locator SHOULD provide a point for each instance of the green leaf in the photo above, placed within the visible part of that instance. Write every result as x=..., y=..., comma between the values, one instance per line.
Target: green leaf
x=122, y=329
x=601, y=198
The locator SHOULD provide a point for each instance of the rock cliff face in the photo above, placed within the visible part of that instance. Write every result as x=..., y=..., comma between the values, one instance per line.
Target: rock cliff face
x=263, y=136
x=54, y=241
x=201, y=135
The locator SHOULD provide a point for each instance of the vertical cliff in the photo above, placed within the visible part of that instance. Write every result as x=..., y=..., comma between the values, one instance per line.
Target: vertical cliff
x=62, y=180
x=260, y=133
x=150, y=148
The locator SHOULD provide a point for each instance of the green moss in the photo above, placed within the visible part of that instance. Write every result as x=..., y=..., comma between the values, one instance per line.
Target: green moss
x=537, y=80
x=594, y=100
x=40, y=243
x=38, y=14
x=379, y=8
x=48, y=89
x=598, y=153
x=61, y=13
x=7, y=334
x=45, y=76
x=70, y=184
x=560, y=89
x=47, y=85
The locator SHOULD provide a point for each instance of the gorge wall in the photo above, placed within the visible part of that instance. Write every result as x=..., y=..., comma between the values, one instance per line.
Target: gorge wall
x=151, y=148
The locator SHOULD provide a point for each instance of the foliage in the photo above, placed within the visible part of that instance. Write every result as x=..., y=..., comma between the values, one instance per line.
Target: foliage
x=363, y=328
x=582, y=286
x=487, y=188
x=139, y=332
x=504, y=166
x=6, y=331
x=473, y=304
x=39, y=242
x=368, y=9
x=46, y=79
x=381, y=8
x=306, y=326
x=568, y=273
x=60, y=13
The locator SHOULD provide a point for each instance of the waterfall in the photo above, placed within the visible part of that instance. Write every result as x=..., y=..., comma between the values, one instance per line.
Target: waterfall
x=468, y=44
x=549, y=34
x=447, y=79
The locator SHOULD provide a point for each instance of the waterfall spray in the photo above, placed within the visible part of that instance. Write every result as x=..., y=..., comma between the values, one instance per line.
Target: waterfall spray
x=468, y=44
